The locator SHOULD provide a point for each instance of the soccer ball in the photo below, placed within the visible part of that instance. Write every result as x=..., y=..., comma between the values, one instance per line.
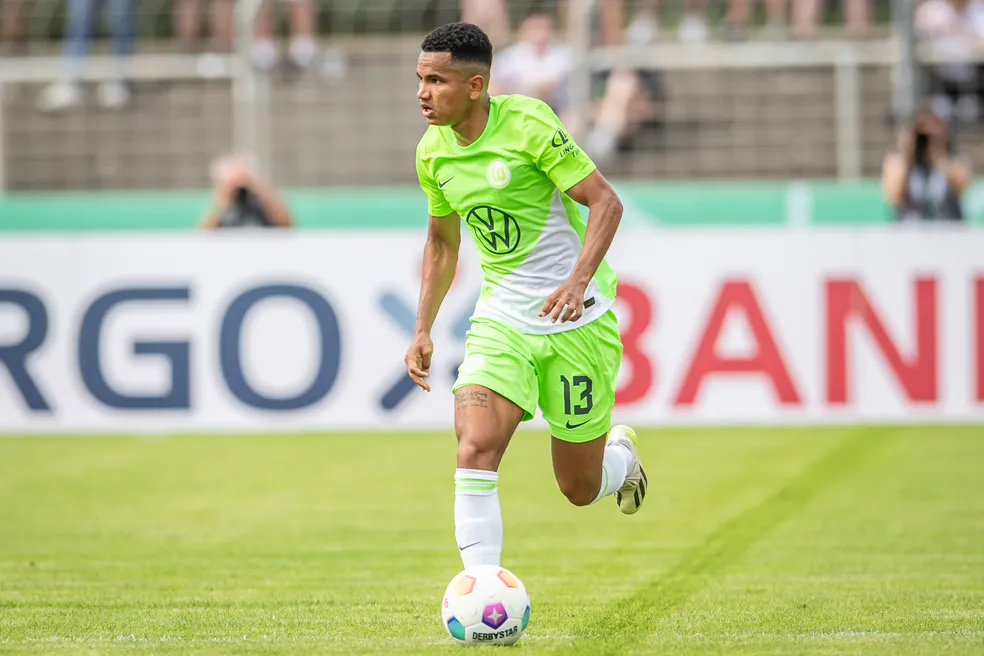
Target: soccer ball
x=486, y=605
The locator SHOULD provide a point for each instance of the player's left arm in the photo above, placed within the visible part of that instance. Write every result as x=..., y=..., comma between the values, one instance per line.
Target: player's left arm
x=573, y=172
x=604, y=216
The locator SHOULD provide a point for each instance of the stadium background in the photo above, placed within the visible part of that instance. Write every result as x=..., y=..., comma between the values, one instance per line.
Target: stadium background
x=764, y=277
x=256, y=474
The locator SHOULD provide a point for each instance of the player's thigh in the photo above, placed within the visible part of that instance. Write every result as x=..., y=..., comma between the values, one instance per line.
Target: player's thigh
x=577, y=380
x=495, y=390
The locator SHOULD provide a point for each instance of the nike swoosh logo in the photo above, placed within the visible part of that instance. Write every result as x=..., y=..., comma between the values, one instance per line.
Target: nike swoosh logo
x=469, y=545
x=570, y=425
x=441, y=184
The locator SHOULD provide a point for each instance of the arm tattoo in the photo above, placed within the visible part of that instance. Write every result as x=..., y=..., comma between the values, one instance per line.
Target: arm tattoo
x=471, y=399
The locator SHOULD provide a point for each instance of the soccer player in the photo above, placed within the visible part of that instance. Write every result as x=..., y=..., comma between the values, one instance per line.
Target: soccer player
x=543, y=332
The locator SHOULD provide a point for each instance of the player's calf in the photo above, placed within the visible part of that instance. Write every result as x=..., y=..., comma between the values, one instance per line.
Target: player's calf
x=578, y=468
x=580, y=490
x=589, y=471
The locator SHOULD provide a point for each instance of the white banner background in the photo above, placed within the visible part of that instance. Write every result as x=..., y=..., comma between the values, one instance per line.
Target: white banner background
x=680, y=274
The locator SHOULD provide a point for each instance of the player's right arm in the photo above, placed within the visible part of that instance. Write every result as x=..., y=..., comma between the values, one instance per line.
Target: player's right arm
x=437, y=272
x=439, y=266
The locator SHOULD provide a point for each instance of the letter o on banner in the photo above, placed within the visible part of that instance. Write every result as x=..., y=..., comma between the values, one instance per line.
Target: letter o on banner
x=230, y=342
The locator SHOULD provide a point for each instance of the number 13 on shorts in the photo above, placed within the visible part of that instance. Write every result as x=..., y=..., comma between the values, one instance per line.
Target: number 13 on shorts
x=577, y=380
x=584, y=402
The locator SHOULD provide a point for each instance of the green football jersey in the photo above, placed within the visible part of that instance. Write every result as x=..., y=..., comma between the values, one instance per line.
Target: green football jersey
x=508, y=188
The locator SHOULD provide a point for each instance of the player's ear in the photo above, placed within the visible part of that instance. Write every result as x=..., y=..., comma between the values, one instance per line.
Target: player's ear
x=476, y=85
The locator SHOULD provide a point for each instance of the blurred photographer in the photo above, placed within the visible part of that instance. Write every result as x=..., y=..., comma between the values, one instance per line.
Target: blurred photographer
x=925, y=178
x=242, y=198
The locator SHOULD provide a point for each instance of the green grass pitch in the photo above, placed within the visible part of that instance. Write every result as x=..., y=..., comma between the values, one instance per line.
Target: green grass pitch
x=752, y=541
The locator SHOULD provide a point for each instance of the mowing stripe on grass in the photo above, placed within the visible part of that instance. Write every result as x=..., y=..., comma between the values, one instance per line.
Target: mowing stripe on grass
x=652, y=601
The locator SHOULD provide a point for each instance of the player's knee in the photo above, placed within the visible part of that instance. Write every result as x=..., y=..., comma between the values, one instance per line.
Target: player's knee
x=579, y=491
x=477, y=450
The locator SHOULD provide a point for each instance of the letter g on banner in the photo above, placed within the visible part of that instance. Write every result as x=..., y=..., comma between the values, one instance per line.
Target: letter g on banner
x=177, y=353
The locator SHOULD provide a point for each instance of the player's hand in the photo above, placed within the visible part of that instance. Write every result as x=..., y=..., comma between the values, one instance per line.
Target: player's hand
x=569, y=295
x=419, y=359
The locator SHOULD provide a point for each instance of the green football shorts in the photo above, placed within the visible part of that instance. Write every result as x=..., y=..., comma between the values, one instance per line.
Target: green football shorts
x=570, y=375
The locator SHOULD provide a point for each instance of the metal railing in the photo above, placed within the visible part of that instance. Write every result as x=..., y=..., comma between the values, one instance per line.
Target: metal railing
x=250, y=121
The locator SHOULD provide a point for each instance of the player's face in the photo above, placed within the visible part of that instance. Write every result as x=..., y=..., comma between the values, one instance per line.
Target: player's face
x=445, y=91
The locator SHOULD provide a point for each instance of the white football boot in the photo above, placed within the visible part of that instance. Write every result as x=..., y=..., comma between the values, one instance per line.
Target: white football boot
x=632, y=493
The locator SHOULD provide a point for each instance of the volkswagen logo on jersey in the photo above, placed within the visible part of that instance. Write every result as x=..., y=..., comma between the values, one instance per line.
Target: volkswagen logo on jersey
x=499, y=174
x=495, y=230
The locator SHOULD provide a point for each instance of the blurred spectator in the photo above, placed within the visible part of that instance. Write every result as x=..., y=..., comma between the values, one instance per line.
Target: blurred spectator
x=631, y=104
x=806, y=16
x=188, y=23
x=13, y=19
x=80, y=21
x=303, y=48
x=738, y=14
x=242, y=199
x=955, y=29
x=692, y=28
x=492, y=16
x=925, y=178
x=535, y=66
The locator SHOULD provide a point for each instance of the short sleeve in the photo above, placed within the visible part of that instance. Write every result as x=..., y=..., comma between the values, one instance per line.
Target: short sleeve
x=437, y=205
x=553, y=150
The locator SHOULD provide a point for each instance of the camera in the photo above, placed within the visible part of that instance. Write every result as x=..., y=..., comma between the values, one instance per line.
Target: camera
x=921, y=149
x=928, y=132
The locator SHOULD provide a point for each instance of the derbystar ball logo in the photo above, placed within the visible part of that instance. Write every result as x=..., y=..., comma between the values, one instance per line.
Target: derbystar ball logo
x=485, y=636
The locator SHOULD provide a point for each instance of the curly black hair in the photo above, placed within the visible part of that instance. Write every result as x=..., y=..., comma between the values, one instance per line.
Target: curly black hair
x=466, y=43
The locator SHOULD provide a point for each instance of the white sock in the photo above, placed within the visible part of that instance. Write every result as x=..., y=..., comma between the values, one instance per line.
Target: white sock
x=264, y=54
x=477, y=518
x=614, y=469
x=303, y=50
